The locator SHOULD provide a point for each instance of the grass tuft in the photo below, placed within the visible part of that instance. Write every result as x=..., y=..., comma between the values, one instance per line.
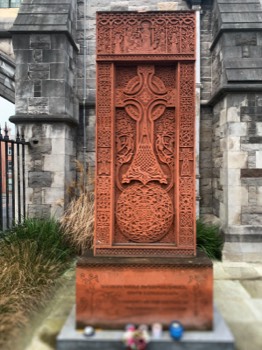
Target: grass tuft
x=32, y=257
x=78, y=219
x=78, y=222
x=209, y=240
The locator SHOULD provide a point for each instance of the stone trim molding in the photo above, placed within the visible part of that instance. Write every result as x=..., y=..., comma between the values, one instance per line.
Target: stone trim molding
x=61, y=118
x=229, y=88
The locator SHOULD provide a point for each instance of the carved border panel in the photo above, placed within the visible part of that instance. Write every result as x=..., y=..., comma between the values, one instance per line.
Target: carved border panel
x=151, y=35
x=129, y=127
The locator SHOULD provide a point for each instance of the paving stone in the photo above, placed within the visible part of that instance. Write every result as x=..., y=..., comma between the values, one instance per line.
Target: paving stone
x=258, y=269
x=235, y=310
x=230, y=290
x=219, y=272
x=248, y=336
x=256, y=307
x=241, y=272
x=38, y=345
x=254, y=288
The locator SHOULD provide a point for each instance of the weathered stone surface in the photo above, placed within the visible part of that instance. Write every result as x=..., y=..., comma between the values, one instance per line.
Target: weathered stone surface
x=251, y=173
x=242, y=251
x=40, y=41
x=40, y=179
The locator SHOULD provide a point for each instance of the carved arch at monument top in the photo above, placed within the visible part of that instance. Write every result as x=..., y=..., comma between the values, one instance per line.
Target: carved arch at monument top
x=145, y=200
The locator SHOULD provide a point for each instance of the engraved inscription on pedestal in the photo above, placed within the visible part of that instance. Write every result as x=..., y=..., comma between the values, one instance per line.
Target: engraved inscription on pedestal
x=116, y=295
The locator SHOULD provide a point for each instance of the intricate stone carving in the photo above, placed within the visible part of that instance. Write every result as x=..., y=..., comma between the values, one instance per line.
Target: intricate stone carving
x=145, y=134
x=142, y=252
x=186, y=155
x=144, y=213
x=147, y=33
x=104, y=161
x=145, y=98
x=104, y=155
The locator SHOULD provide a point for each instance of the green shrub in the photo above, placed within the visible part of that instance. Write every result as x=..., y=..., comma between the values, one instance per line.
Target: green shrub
x=46, y=234
x=209, y=240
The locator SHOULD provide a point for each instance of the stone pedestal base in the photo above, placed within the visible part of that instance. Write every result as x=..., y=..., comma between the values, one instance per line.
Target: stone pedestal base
x=112, y=292
x=220, y=338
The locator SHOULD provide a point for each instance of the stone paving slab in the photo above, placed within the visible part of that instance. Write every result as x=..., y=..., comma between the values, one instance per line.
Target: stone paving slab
x=238, y=296
x=248, y=335
x=218, y=339
x=254, y=288
x=230, y=289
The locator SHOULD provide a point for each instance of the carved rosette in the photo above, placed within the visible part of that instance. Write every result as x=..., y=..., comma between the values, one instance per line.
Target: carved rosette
x=144, y=213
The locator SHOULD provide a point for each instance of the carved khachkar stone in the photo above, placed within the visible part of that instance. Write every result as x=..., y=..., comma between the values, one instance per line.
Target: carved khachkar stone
x=145, y=187
x=145, y=179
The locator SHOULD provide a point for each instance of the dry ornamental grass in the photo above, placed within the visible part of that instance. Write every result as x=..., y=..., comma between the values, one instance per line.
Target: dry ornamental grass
x=78, y=222
x=78, y=219
x=32, y=257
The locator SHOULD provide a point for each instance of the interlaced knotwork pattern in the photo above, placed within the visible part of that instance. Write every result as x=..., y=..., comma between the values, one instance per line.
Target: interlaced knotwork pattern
x=144, y=213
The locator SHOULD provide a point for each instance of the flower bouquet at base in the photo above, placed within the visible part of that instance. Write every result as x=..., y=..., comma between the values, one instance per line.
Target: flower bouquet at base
x=136, y=338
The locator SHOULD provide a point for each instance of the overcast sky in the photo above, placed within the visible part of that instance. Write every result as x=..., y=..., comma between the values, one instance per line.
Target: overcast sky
x=6, y=110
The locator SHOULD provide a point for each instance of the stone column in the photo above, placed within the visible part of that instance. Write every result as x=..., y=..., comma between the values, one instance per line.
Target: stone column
x=237, y=143
x=46, y=105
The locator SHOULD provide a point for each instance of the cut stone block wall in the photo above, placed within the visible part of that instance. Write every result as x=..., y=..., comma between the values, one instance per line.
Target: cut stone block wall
x=236, y=149
x=239, y=204
x=50, y=167
x=46, y=102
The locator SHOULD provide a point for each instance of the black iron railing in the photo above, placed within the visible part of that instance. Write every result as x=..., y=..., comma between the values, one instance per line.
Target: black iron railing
x=12, y=179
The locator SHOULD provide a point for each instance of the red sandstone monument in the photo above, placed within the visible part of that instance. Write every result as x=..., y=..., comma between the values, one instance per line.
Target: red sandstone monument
x=145, y=266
